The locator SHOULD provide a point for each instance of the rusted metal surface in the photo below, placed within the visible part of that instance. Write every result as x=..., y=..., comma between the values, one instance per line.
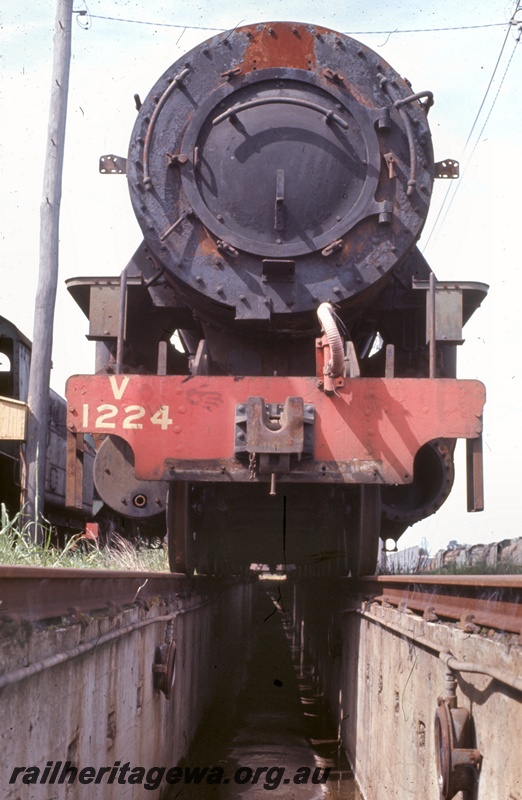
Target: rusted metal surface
x=434, y=474
x=216, y=139
x=292, y=45
x=475, y=474
x=475, y=601
x=458, y=763
x=374, y=422
x=265, y=435
x=118, y=486
x=46, y=592
x=470, y=582
x=325, y=381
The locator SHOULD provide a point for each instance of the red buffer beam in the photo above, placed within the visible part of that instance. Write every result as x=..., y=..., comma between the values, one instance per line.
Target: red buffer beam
x=183, y=427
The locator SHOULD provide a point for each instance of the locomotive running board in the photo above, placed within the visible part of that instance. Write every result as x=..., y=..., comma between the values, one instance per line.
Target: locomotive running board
x=183, y=428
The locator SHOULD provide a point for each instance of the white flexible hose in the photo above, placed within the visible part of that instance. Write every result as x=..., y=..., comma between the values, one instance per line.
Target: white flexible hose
x=326, y=315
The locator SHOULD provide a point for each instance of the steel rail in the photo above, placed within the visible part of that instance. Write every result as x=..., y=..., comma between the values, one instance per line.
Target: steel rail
x=38, y=593
x=475, y=601
x=20, y=674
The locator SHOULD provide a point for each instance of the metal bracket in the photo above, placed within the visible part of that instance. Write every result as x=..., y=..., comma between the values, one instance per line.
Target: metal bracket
x=351, y=364
x=385, y=211
x=274, y=428
x=279, y=211
x=273, y=433
x=475, y=474
x=448, y=168
x=383, y=119
x=444, y=309
x=390, y=162
x=322, y=356
x=200, y=363
x=113, y=165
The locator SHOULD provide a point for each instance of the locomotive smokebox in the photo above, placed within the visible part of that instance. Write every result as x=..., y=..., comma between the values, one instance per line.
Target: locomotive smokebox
x=276, y=167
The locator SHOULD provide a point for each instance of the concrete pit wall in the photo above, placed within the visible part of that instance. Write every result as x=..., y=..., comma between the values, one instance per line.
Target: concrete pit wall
x=101, y=707
x=382, y=686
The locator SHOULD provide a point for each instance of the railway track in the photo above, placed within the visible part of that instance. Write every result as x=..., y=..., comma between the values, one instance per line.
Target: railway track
x=472, y=601
x=42, y=593
x=162, y=647
x=115, y=663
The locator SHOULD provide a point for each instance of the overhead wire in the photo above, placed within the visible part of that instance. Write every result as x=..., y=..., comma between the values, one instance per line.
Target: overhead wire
x=82, y=12
x=447, y=201
x=459, y=184
x=451, y=184
x=489, y=86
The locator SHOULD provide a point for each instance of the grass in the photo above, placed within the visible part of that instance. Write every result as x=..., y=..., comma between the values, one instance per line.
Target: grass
x=18, y=548
x=480, y=568
x=506, y=567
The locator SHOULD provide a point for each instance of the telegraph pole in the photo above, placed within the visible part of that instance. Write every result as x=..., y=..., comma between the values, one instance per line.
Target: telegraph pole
x=39, y=379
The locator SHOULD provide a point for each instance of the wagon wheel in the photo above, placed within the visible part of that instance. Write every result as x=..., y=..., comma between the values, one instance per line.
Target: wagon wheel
x=179, y=528
x=364, y=549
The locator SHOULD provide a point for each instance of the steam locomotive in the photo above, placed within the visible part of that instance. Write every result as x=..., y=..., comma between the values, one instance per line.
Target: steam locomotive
x=276, y=365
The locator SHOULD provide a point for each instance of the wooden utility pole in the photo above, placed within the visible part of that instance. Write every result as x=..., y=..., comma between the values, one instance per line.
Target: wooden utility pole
x=40, y=373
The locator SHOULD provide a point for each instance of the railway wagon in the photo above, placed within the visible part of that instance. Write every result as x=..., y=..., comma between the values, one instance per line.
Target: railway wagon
x=15, y=361
x=276, y=364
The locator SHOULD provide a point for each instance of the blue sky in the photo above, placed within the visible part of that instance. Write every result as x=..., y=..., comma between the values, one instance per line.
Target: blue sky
x=112, y=60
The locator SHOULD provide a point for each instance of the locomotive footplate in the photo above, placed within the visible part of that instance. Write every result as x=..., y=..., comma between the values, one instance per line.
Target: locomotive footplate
x=209, y=428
